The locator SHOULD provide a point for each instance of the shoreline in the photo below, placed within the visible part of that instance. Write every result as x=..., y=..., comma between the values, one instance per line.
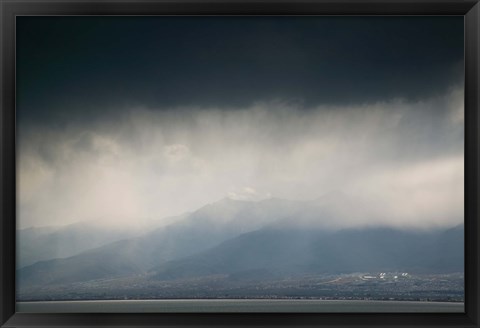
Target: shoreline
x=238, y=306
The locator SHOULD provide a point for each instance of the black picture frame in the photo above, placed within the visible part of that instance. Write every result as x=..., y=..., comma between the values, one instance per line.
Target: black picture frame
x=9, y=9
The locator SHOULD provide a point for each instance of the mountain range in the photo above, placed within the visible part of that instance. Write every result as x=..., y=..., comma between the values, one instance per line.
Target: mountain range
x=252, y=240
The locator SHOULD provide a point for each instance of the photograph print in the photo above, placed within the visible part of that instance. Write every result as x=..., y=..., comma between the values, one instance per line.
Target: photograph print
x=240, y=164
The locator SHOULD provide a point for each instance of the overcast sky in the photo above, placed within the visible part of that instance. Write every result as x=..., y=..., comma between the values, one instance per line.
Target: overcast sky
x=122, y=119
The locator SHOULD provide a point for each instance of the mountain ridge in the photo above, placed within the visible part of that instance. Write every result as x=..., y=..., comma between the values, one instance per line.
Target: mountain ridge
x=222, y=224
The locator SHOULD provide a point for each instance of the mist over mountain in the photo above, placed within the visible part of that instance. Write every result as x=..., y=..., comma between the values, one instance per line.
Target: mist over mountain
x=46, y=243
x=272, y=236
x=36, y=244
x=193, y=232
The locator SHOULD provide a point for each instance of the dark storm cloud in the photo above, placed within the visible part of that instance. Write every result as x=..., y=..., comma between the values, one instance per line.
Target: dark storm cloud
x=123, y=118
x=402, y=163
x=85, y=67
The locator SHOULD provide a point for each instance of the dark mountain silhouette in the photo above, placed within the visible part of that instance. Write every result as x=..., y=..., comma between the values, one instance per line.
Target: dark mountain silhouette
x=290, y=251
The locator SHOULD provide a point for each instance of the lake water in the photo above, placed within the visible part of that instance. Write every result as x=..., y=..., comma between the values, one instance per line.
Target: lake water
x=271, y=306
